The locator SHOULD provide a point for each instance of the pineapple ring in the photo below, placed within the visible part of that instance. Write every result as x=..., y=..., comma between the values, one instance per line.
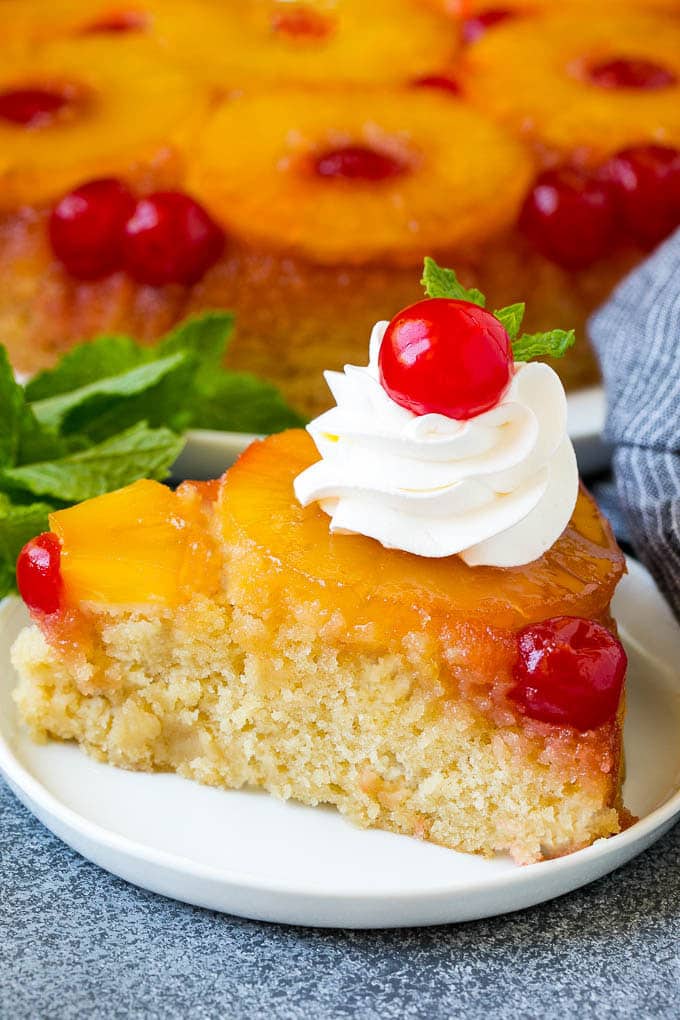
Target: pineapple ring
x=30, y=23
x=464, y=177
x=130, y=108
x=531, y=74
x=468, y=8
x=348, y=42
x=232, y=43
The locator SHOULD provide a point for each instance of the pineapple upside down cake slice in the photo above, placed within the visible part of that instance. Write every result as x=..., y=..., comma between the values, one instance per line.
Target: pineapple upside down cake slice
x=404, y=613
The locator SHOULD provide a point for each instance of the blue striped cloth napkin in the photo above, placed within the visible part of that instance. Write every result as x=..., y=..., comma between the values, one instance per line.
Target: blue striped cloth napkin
x=636, y=335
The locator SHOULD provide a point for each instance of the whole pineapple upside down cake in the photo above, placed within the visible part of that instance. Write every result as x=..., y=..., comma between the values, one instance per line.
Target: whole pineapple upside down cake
x=403, y=612
x=293, y=161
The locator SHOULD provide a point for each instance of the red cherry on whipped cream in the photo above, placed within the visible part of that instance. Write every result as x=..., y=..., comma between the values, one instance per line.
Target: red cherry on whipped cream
x=38, y=573
x=569, y=672
x=445, y=357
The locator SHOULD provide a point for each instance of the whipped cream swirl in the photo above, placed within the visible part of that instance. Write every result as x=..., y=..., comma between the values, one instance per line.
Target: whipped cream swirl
x=498, y=489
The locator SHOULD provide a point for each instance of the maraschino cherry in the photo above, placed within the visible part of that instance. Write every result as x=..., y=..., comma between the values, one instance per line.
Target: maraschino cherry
x=117, y=23
x=357, y=163
x=301, y=22
x=86, y=227
x=476, y=25
x=645, y=181
x=38, y=573
x=31, y=107
x=170, y=238
x=631, y=73
x=569, y=217
x=446, y=357
x=164, y=238
x=443, y=82
x=569, y=672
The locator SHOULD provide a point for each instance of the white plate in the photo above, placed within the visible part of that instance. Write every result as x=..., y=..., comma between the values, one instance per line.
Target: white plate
x=207, y=454
x=586, y=410
x=249, y=854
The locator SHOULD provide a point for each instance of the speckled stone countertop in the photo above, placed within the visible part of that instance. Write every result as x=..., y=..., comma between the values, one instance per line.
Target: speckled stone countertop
x=77, y=943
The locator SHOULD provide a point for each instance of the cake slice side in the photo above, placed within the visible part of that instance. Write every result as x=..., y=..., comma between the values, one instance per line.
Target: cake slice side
x=216, y=695
x=378, y=695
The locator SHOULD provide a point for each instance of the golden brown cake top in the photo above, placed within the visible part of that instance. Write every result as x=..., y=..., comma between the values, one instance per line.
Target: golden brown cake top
x=576, y=577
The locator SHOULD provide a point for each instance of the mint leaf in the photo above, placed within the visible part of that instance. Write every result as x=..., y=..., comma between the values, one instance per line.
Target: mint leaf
x=69, y=410
x=443, y=283
x=207, y=336
x=12, y=404
x=22, y=437
x=138, y=452
x=101, y=358
x=103, y=387
x=37, y=442
x=223, y=400
x=511, y=318
x=18, y=524
x=178, y=399
x=238, y=402
x=553, y=344
x=165, y=405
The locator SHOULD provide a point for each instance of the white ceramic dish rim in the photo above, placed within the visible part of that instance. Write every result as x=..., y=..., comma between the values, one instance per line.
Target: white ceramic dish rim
x=20, y=780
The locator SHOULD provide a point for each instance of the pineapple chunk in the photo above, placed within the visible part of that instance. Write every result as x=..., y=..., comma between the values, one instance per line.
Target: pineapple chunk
x=138, y=545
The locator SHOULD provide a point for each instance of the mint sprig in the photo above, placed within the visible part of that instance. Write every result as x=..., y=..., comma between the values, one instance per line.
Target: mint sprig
x=60, y=410
x=112, y=411
x=554, y=343
x=137, y=452
x=444, y=283
x=511, y=318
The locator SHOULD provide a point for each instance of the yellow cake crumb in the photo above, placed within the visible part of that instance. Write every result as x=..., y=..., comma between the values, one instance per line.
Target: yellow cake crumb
x=212, y=692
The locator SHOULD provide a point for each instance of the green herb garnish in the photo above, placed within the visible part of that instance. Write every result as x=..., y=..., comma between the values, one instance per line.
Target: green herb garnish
x=440, y=282
x=511, y=317
x=554, y=343
x=111, y=412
